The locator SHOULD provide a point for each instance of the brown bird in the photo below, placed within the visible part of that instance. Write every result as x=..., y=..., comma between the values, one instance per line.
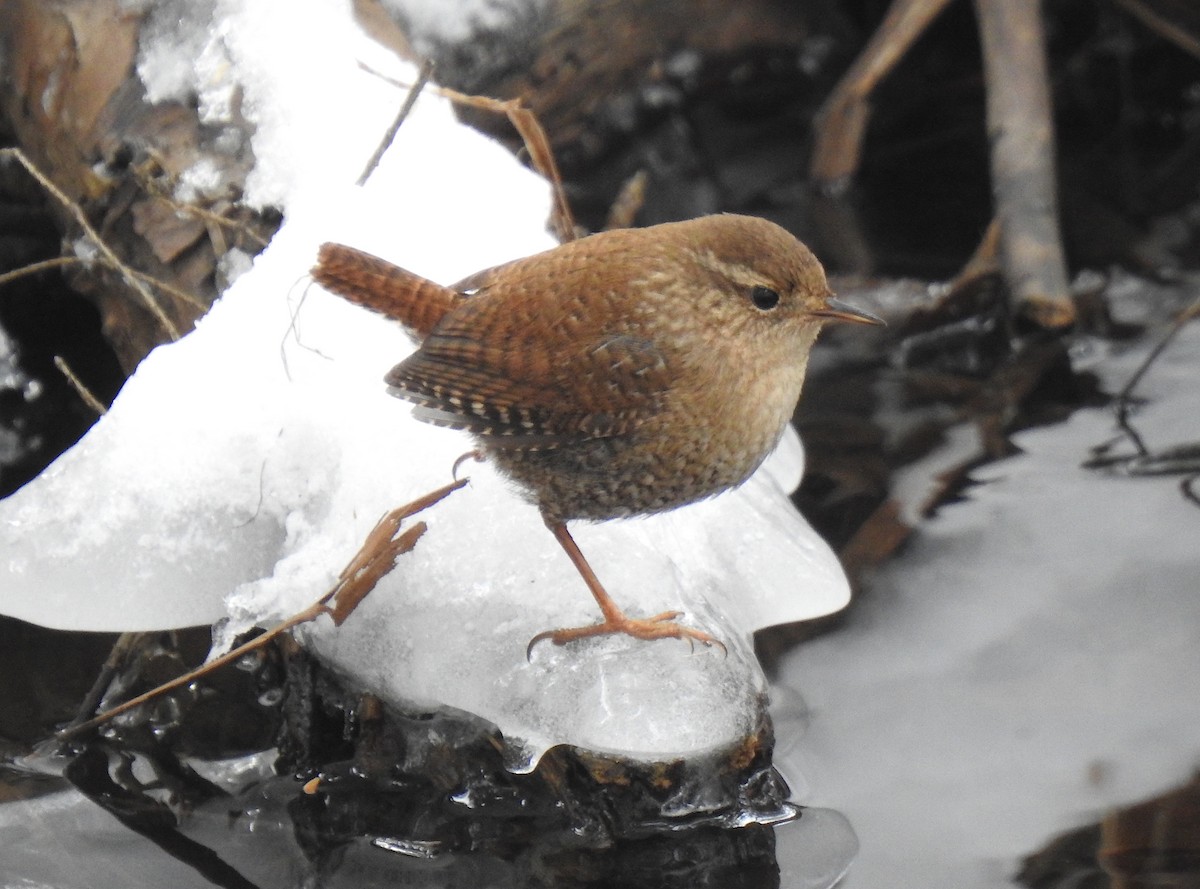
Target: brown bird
x=625, y=373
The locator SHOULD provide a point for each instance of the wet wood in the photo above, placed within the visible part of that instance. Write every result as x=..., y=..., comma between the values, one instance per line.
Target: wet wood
x=578, y=62
x=1153, y=844
x=841, y=123
x=1023, y=177
x=1019, y=125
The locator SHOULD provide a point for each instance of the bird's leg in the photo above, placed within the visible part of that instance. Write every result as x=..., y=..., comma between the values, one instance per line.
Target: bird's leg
x=660, y=626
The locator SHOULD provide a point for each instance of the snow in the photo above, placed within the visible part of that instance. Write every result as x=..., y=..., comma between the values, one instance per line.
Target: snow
x=12, y=379
x=242, y=467
x=1028, y=664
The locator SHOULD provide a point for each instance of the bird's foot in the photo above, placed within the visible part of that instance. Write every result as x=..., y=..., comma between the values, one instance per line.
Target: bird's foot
x=660, y=626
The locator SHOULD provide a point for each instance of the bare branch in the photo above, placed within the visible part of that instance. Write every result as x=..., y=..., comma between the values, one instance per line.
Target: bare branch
x=111, y=259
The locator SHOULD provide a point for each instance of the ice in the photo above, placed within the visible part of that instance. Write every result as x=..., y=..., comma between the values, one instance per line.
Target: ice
x=1029, y=664
x=616, y=695
x=241, y=468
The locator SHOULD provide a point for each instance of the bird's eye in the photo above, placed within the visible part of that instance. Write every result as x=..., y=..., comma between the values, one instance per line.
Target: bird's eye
x=764, y=298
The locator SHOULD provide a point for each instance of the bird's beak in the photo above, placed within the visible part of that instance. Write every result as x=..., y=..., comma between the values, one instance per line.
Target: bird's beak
x=837, y=310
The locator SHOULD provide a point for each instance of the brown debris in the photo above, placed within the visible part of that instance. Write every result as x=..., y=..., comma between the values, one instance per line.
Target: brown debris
x=79, y=113
x=1149, y=845
x=1155, y=843
x=168, y=232
x=876, y=540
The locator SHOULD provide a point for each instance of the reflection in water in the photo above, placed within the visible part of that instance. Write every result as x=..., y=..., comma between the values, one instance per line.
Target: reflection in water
x=271, y=834
x=269, y=775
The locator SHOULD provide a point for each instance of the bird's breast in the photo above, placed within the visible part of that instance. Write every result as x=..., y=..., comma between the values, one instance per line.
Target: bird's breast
x=717, y=423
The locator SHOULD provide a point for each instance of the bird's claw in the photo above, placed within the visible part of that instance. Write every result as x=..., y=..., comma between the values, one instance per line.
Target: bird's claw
x=660, y=626
x=476, y=454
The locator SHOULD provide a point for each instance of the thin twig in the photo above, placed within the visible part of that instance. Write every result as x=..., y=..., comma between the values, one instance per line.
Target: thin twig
x=405, y=109
x=117, y=656
x=628, y=202
x=159, y=190
x=1161, y=25
x=841, y=122
x=64, y=261
x=89, y=398
x=34, y=267
x=169, y=289
x=1125, y=396
x=529, y=128
x=311, y=613
x=111, y=258
x=374, y=559
x=207, y=215
x=541, y=155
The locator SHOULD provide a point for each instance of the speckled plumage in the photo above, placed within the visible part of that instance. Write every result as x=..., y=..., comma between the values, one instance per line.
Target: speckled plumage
x=623, y=373
x=628, y=372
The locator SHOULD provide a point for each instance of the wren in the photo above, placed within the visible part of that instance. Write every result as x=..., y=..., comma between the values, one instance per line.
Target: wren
x=624, y=373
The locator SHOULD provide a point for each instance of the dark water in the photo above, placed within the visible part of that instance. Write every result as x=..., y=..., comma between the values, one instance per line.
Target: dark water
x=259, y=833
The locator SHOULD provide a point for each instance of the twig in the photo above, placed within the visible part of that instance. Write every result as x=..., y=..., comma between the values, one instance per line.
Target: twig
x=311, y=613
x=1125, y=396
x=89, y=398
x=374, y=559
x=628, y=202
x=112, y=260
x=159, y=184
x=169, y=289
x=530, y=129
x=212, y=216
x=34, y=267
x=541, y=155
x=63, y=261
x=1161, y=25
x=405, y=109
x=842, y=119
x=117, y=656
